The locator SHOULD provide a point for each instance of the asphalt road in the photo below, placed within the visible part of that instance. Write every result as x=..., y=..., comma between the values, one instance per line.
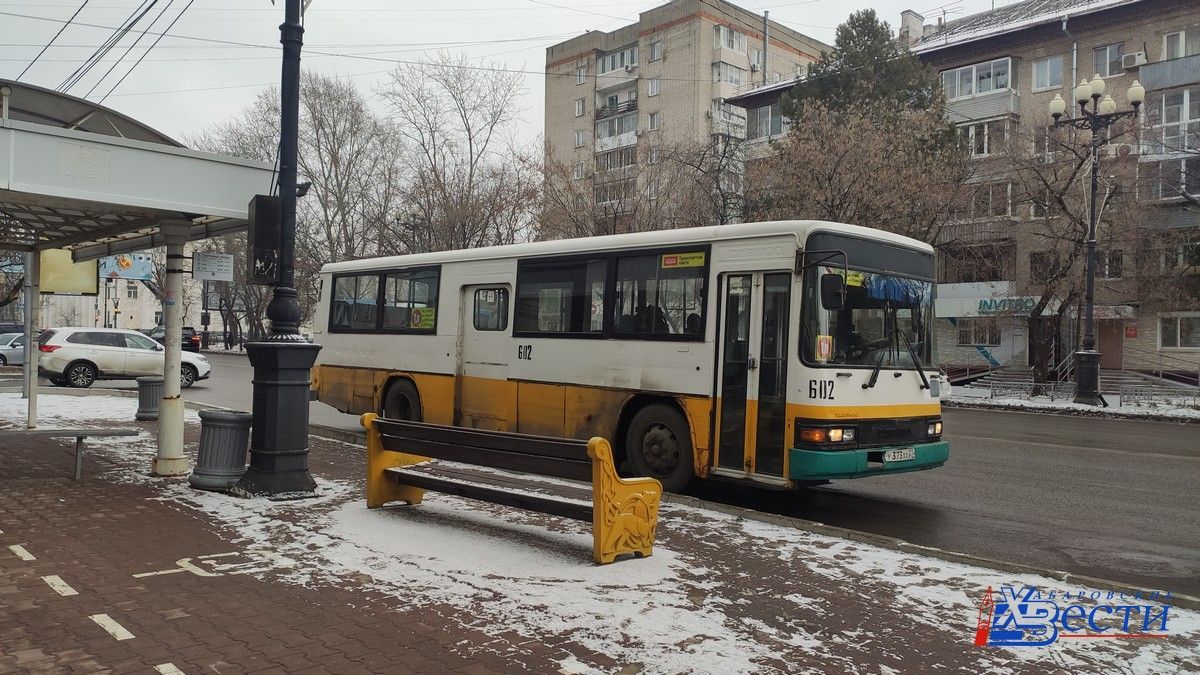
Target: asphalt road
x=1115, y=499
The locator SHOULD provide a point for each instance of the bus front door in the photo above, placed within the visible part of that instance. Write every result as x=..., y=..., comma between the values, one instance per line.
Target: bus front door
x=752, y=377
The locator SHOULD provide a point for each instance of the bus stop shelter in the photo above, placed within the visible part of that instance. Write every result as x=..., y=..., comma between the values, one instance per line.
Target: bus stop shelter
x=78, y=176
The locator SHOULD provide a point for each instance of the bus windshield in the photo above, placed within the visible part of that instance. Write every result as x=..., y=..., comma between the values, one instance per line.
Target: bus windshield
x=885, y=319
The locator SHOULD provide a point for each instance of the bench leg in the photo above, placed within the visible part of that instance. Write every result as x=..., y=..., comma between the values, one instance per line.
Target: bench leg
x=78, y=457
x=381, y=489
x=624, y=511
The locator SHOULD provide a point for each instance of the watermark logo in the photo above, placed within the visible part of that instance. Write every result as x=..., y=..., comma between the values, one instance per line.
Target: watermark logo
x=1030, y=617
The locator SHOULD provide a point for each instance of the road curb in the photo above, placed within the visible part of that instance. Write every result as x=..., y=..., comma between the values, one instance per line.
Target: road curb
x=1070, y=412
x=902, y=546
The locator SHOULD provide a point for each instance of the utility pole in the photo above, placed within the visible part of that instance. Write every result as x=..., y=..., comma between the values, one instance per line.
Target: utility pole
x=283, y=360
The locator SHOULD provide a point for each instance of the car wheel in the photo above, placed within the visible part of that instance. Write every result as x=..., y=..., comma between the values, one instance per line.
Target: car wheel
x=402, y=402
x=187, y=375
x=81, y=374
x=3, y=361
x=659, y=445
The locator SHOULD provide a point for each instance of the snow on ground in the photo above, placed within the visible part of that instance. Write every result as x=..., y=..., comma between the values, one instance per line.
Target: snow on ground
x=1040, y=404
x=681, y=610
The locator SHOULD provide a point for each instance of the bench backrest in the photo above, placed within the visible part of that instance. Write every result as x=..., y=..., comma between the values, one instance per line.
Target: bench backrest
x=539, y=455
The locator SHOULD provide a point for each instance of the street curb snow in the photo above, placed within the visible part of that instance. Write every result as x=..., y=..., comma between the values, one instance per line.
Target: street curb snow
x=1072, y=412
x=900, y=545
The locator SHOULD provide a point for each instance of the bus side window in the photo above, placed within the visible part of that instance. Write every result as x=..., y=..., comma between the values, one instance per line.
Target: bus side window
x=491, y=309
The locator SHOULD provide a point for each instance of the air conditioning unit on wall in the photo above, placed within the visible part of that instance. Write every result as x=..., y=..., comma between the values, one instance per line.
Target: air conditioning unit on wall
x=629, y=68
x=1133, y=60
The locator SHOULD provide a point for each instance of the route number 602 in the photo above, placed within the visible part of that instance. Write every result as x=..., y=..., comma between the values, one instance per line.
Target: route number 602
x=820, y=389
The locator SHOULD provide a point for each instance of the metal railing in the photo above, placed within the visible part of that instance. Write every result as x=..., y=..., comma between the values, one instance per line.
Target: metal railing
x=1156, y=396
x=1162, y=366
x=618, y=109
x=1064, y=371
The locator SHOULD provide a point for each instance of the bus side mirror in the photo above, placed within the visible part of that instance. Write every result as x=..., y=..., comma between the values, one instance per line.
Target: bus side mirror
x=832, y=291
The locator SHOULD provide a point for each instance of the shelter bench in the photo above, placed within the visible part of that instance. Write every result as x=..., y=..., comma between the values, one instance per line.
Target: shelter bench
x=77, y=434
x=624, y=511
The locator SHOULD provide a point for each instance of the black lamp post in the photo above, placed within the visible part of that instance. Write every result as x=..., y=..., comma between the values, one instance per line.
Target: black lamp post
x=1102, y=115
x=283, y=360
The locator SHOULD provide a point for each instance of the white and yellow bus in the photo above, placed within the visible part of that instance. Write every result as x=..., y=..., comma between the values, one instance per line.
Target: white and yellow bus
x=786, y=353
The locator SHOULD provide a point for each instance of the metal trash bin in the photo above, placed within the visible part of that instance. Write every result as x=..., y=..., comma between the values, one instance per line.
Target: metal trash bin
x=150, y=393
x=224, y=442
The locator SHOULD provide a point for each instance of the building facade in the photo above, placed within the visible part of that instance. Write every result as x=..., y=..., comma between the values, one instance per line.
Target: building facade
x=613, y=99
x=999, y=71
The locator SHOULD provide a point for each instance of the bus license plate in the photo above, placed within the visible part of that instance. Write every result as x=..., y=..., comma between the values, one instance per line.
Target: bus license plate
x=899, y=455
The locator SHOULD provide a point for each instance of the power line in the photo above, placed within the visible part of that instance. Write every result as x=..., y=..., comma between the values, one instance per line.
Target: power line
x=60, y=32
x=127, y=50
x=105, y=47
x=160, y=37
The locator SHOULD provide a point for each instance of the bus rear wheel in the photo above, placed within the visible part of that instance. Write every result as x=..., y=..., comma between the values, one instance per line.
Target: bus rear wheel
x=402, y=402
x=659, y=445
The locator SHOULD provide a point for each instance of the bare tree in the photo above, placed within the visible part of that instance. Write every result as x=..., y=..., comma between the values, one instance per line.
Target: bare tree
x=455, y=119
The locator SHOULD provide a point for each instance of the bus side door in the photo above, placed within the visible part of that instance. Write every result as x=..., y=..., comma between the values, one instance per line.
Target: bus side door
x=485, y=397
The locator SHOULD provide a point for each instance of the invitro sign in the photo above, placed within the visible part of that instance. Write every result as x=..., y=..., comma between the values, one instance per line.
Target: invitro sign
x=1006, y=305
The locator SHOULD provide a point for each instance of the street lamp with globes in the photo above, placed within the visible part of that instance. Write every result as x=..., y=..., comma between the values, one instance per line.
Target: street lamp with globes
x=1103, y=114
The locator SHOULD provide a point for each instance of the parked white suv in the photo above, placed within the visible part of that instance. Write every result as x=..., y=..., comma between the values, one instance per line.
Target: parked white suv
x=77, y=357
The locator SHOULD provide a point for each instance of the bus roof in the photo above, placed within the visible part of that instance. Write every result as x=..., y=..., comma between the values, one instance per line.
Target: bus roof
x=634, y=240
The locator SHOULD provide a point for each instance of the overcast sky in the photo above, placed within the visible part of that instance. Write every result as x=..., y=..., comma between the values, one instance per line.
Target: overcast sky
x=184, y=84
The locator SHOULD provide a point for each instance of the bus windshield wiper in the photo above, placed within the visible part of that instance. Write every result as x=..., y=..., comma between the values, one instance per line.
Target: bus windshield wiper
x=875, y=372
x=916, y=359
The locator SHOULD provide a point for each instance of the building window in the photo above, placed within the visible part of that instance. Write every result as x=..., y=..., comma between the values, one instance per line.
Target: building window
x=655, y=121
x=491, y=309
x=1047, y=73
x=987, y=201
x=579, y=107
x=979, y=78
x=728, y=38
x=1179, y=331
x=1044, y=265
x=617, y=159
x=1107, y=60
x=1169, y=178
x=656, y=50
x=1108, y=264
x=1174, y=121
x=652, y=155
x=1180, y=44
x=976, y=263
x=756, y=57
x=1181, y=257
x=983, y=138
x=764, y=122
x=618, y=60
x=653, y=86
x=581, y=75
x=131, y=290
x=660, y=294
x=616, y=194
x=615, y=126
x=580, y=137
x=724, y=72
x=979, y=332
x=577, y=171
x=560, y=297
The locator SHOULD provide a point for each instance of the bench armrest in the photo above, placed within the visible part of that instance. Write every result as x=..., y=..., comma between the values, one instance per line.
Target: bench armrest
x=380, y=490
x=624, y=510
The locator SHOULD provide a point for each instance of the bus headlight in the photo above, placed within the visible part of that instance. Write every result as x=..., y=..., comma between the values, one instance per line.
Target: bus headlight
x=934, y=429
x=825, y=436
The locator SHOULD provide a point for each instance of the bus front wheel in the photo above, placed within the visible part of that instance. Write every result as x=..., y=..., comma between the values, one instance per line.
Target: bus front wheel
x=659, y=445
x=402, y=402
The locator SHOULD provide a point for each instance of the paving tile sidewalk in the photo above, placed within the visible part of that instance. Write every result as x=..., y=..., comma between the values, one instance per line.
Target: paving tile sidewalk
x=456, y=586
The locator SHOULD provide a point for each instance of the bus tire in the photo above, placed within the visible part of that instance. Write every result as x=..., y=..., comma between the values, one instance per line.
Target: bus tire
x=402, y=402
x=659, y=445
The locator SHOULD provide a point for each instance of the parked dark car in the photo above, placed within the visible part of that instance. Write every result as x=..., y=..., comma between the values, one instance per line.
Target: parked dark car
x=191, y=339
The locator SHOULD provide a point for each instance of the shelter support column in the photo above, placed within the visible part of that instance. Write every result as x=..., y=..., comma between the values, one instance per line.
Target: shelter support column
x=170, y=460
x=33, y=322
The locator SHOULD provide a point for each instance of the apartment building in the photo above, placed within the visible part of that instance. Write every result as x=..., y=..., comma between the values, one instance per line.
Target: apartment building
x=613, y=98
x=999, y=71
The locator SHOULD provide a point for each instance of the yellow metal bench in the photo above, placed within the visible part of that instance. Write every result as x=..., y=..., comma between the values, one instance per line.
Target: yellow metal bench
x=623, y=511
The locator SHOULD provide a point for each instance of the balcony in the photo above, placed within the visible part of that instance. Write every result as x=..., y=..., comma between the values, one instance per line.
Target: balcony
x=618, y=109
x=984, y=106
x=1168, y=74
x=617, y=141
x=617, y=78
